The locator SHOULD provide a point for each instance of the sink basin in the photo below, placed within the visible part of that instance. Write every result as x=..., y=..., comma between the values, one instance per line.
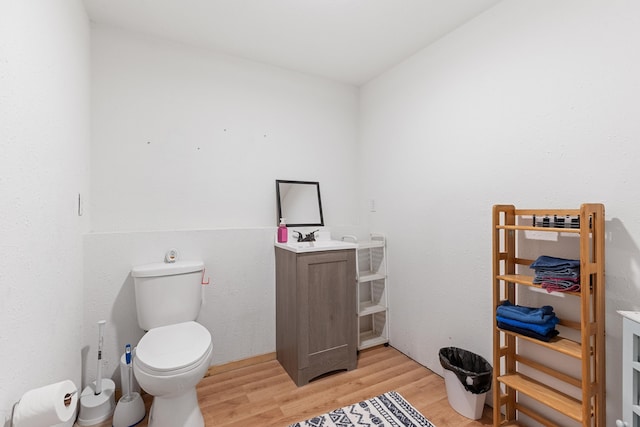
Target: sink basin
x=318, y=245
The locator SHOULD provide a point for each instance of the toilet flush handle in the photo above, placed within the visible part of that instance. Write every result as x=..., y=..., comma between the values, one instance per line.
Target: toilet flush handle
x=171, y=256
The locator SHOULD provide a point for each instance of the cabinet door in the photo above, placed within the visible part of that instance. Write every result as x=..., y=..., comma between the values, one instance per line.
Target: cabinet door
x=328, y=329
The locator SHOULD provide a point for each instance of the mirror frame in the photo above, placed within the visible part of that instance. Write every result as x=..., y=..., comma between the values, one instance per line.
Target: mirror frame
x=278, y=199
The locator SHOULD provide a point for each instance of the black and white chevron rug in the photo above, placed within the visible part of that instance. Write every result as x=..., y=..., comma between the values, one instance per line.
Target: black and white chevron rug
x=387, y=410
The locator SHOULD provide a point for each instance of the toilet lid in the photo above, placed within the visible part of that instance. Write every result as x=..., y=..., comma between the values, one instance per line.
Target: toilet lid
x=172, y=347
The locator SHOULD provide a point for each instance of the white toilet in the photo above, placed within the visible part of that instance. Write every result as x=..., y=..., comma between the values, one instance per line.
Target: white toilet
x=175, y=353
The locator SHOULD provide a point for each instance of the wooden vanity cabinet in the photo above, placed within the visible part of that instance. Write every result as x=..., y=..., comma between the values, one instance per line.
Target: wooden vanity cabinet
x=316, y=322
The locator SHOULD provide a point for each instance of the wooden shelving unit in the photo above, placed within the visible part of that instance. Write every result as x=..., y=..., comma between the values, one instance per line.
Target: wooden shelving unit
x=509, y=382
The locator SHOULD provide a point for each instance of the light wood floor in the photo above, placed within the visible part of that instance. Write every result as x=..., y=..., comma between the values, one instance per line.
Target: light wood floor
x=263, y=395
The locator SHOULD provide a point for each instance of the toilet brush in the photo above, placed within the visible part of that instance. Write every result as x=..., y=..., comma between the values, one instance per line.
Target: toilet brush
x=98, y=389
x=130, y=409
x=97, y=400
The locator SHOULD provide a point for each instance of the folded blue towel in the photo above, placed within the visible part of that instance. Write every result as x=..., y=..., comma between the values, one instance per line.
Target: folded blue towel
x=539, y=329
x=563, y=272
x=553, y=263
x=536, y=315
x=527, y=332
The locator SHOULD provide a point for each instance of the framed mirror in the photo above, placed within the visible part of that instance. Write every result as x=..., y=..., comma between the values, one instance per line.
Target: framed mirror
x=299, y=203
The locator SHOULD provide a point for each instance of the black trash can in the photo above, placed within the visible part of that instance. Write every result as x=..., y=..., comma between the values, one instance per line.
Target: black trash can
x=467, y=377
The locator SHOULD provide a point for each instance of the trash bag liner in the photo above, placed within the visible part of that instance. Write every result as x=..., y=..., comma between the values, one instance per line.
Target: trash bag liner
x=473, y=371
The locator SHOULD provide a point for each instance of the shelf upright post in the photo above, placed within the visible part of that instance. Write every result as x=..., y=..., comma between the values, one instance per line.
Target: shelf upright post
x=503, y=263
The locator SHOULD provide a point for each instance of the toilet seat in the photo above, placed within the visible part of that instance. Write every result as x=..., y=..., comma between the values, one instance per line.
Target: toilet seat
x=173, y=349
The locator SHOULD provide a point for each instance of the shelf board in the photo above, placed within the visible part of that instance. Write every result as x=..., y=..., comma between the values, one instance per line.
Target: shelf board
x=532, y=228
x=368, y=276
x=546, y=395
x=559, y=344
x=371, y=244
x=371, y=339
x=370, y=307
x=525, y=280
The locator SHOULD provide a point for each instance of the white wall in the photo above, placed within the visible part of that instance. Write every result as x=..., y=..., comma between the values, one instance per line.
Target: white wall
x=186, y=147
x=532, y=103
x=183, y=138
x=44, y=141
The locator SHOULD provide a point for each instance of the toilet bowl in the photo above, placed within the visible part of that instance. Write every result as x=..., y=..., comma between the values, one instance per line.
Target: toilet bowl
x=170, y=361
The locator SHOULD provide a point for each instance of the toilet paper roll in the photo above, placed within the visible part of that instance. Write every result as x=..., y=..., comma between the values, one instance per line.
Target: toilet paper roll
x=47, y=406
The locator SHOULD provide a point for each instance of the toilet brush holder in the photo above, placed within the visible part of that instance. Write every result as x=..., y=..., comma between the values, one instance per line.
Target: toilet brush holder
x=97, y=400
x=96, y=408
x=129, y=411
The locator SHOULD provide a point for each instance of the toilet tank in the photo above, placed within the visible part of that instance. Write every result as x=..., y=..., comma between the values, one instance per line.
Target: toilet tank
x=167, y=293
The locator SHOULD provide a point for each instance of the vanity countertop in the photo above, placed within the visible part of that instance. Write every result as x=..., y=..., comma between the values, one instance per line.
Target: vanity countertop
x=317, y=246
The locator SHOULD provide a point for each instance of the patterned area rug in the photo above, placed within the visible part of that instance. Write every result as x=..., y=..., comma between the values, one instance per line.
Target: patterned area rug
x=388, y=410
